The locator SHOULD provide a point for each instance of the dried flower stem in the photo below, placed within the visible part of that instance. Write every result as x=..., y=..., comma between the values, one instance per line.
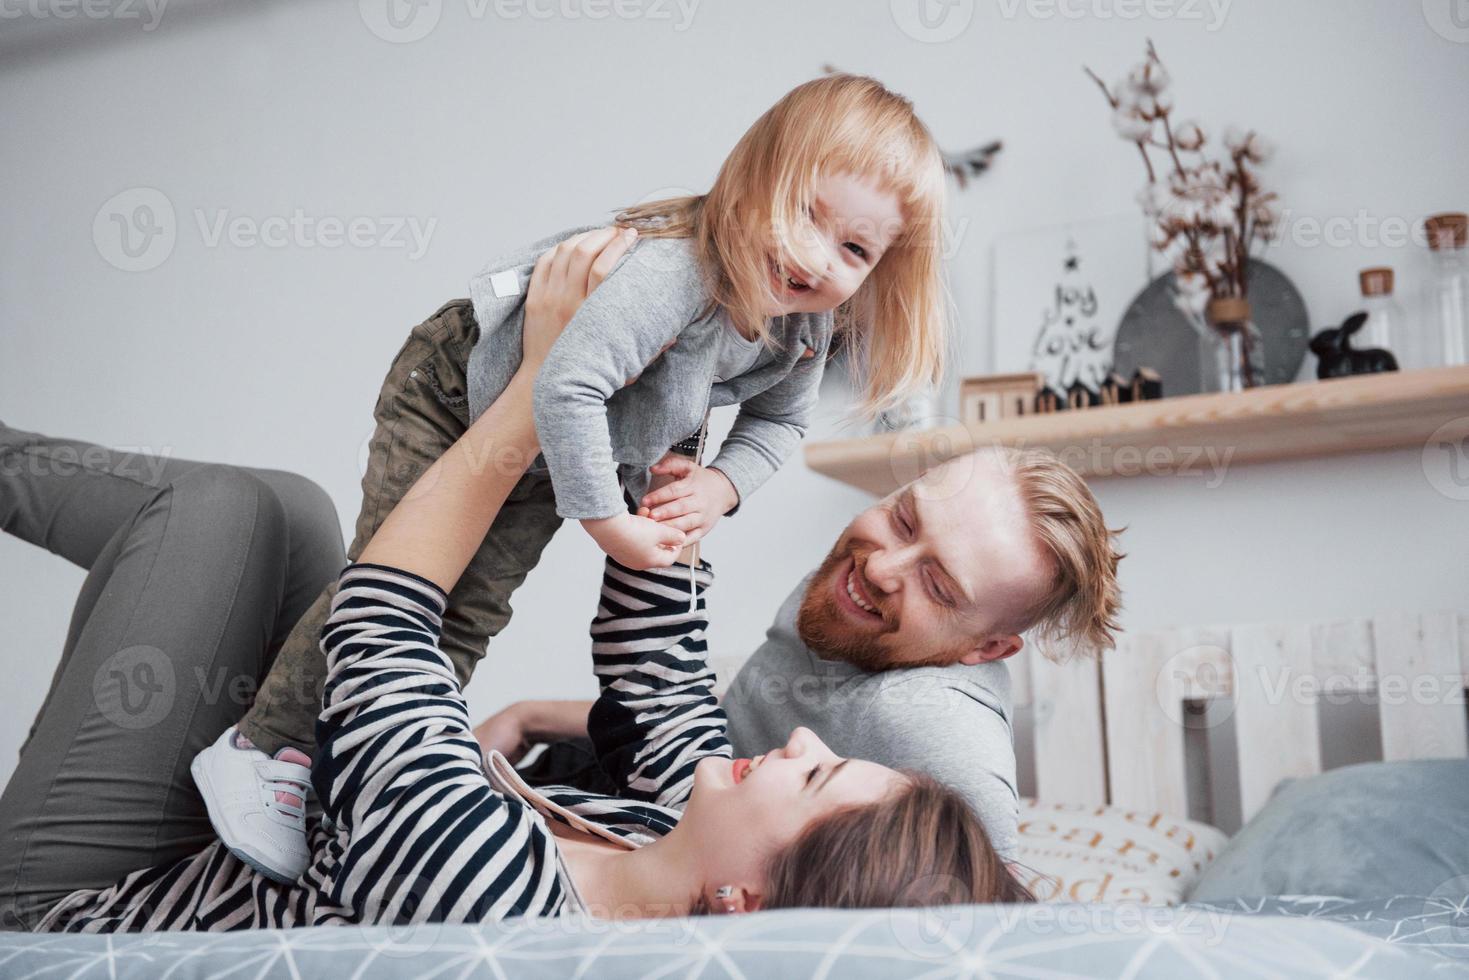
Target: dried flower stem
x=1191, y=220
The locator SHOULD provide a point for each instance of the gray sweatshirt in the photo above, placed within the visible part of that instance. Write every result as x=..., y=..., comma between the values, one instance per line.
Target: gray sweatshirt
x=594, y=431
x=950, y=722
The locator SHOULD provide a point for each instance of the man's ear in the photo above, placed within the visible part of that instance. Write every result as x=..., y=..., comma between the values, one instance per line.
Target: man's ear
x=993, y=648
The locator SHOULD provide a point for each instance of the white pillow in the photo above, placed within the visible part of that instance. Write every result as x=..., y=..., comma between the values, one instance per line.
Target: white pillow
x=1072, y=852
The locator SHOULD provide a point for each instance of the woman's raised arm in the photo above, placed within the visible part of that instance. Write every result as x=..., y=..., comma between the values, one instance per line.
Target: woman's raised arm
x=393, y=716
x=657, y=716
x=439, y=524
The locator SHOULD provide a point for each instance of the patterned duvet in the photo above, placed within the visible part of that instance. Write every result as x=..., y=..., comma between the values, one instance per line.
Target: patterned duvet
x=1293, y=937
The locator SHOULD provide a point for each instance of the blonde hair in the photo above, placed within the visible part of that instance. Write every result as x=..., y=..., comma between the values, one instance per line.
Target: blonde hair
x=896, y=324
x=1082, y=601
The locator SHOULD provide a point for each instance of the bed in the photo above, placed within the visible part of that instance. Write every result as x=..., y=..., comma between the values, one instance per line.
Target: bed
x=1292, y=939
x=1362, y=870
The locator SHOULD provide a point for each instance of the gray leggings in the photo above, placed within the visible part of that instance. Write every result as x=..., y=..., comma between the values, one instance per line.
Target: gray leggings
x=196, y=574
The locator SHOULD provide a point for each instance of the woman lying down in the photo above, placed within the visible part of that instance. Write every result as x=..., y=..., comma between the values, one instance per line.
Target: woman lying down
x=416, y=826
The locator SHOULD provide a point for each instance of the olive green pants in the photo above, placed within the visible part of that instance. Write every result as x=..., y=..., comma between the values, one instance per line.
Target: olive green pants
x=422, y=410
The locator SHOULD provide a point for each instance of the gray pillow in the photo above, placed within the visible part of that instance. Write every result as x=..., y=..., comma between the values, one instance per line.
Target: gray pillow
x=1365, y=831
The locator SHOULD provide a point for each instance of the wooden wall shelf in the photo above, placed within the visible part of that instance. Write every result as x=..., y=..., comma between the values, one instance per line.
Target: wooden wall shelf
x=1179, y=436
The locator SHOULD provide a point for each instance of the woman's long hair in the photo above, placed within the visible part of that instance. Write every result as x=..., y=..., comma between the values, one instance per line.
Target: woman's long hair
x=922, y=846
x=759, y=207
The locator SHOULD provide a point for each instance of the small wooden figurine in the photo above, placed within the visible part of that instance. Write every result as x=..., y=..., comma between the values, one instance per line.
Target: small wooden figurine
x=1146, y=385
x=1115, y=390
x=1048, y=400
x=998, y=396
x=1080, y=396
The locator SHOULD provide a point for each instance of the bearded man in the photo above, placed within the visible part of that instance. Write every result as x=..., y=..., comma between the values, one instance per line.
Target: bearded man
x=894, y=649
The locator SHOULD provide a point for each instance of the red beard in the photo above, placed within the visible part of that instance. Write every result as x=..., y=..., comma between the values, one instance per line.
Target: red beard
x=830, y=632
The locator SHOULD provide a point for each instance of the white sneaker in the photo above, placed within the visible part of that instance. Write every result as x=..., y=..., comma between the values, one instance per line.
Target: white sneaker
x=257, y=804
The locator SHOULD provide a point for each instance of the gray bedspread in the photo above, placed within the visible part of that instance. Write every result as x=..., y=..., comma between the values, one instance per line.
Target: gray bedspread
x=1293, y=937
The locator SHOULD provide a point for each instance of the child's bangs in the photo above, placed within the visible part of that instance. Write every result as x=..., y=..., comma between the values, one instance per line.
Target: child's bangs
x=899, y=161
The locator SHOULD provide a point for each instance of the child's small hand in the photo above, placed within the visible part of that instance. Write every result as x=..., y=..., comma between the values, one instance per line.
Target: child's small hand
x=636, y=542
x=693, y=502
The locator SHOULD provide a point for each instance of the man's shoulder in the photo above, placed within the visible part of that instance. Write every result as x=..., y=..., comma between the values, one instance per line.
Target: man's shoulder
x=983, y=687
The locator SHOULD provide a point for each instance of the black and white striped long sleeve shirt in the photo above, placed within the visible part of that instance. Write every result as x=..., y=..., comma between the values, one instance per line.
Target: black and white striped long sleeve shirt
x=414, y=827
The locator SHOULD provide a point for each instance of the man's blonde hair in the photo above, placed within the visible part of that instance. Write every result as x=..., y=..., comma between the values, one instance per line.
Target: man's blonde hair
x=897, y=323
x=1078, y=613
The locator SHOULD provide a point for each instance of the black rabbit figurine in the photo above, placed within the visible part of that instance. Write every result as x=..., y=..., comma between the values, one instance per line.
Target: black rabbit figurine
x=1338, y=359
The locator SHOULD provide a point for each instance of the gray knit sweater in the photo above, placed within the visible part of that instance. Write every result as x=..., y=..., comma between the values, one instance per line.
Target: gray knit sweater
x=593, y=430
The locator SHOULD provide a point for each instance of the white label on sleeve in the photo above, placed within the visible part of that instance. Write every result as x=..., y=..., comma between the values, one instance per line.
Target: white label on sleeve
x=505, y=284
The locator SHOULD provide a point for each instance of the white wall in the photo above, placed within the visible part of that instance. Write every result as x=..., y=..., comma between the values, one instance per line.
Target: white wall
x=502, y=129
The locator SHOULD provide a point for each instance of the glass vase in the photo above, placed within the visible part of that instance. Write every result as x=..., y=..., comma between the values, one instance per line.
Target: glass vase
x=1231, y=350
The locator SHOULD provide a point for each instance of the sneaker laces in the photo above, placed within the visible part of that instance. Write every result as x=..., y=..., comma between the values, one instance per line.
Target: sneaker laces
x=285, y=788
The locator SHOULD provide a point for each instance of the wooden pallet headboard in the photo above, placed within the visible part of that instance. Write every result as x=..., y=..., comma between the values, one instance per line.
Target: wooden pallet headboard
x=1114, y=732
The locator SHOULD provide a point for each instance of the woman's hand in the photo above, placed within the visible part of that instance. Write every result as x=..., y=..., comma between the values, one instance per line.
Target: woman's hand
x=564, y=276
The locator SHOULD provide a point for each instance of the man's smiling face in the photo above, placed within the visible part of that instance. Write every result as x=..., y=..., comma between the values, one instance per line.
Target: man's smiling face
x=940, y=572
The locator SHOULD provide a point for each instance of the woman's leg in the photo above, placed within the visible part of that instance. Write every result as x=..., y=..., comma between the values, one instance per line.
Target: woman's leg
x=71, y=497
x=182, y=603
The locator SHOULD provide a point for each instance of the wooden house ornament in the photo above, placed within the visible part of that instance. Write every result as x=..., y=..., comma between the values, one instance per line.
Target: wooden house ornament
x=998, y=396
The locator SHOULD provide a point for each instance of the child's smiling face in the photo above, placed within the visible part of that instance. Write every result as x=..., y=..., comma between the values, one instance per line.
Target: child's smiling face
x=854, y=220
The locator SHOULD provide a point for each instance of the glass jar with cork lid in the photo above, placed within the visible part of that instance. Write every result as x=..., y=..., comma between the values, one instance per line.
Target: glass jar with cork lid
x=1446, y=305
x=1386, y=325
